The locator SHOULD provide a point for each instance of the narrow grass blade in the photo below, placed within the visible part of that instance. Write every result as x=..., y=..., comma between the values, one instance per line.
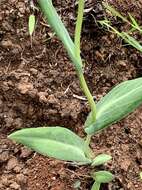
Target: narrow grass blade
x=131, y=41
x=125, y=36
x=115, y=12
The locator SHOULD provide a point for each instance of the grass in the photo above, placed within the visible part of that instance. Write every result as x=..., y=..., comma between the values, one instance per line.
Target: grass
x=126, y=36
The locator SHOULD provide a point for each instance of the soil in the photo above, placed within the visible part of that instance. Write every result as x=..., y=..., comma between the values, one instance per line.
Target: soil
x=38, y=87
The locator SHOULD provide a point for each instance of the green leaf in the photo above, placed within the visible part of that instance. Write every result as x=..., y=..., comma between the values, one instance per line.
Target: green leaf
x=59, y=28
x=134, y=22
x=101, y=159
x=125, y=36
x=31, y=24
x=115, y=12
x=96, y=186
x=77, y=184
x=57, y=142
x=103, y=176
x=131, y=41
x=118, y=103
x=141, y=175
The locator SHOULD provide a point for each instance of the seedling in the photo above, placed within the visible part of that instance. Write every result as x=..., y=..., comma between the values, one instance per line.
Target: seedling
x=61, y=143
x=31, y=25
x=141, y=175
x=124, y=35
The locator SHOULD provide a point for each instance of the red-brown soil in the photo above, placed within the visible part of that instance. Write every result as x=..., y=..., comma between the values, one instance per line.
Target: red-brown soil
x=38, y=86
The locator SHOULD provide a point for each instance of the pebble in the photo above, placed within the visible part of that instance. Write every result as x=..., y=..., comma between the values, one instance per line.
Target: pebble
x=1, y=186
x=21, y=179
x=6, y=43
x=24, y=87
x=4, y=156
x=25, y=152
x=14, y=185
x=34, y=71
x=17, y=169
x=4, y=181
x=125, y=164
x=12, y=163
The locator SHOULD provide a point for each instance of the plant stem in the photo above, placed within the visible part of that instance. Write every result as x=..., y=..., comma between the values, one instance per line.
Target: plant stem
x=72, y=49
x=88, y=139
x=79, y=27
x=96, y=186
x=89, y=152
x=88, y=94
x=77, y=52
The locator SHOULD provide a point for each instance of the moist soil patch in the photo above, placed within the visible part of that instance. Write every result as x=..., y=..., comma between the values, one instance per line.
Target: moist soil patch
x=38, y=87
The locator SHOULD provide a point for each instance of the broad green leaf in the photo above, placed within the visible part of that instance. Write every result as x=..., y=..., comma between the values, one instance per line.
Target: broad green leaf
x=59, y=28
x=118, y=103
x=103, y=176
x=101, y=159
x=31, y=24
x=57, y=142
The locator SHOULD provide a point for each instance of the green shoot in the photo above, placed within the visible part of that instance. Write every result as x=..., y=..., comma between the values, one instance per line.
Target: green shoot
x=96, y=186
x=124, y=35
x=79, y=27
x=114, y=12
x=141, y=175
x=31, y=25
x=101, y=159
x=129, y=39
x=61, y=143
x=101, y=177
x=134, y=23
x=55, y=22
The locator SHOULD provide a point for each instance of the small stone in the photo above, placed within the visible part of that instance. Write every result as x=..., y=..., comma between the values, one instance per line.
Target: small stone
x=18, y=123
x=14, y=185
x=4, y=181
x=122, y=63
x=43, y=97
x=17, y=169
x=4, y=156
x=25, y=171
x=6, y=43
x=125, y=164
x=33, y=93
x=25, y=152
x=21, y=179
x=1, y=186
x=52, y=99
x=24, y=87
x=34, y=71
x=12, y=163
